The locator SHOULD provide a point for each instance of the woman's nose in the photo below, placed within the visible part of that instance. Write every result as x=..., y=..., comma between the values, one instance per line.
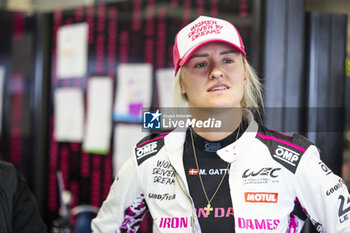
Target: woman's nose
x=216, y=72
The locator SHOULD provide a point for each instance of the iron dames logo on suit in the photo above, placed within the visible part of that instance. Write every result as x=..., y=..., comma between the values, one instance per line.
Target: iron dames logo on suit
x=257, y=224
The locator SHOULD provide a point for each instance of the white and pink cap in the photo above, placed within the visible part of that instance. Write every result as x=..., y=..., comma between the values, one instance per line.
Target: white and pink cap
x=200, y=32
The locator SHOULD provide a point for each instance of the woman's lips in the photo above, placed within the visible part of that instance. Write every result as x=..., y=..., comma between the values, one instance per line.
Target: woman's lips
x=218, y=87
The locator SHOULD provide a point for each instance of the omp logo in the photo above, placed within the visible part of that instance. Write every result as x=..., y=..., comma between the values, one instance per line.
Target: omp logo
x=261, y=197
x=211, y=147
x=146, y=150
x=286, y=155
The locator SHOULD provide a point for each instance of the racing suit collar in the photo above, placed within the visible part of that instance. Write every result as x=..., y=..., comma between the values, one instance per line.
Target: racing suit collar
x=231, y=152
x=174, y=141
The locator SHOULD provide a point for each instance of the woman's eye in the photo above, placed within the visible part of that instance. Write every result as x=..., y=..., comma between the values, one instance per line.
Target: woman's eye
x=199, y=65
x=228, y=60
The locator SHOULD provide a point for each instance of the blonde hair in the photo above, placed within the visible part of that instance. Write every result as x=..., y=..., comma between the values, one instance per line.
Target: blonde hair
x=179, y=100
x=252, y=97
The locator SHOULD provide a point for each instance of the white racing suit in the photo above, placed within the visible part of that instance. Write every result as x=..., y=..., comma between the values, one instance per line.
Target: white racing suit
x=272, y=177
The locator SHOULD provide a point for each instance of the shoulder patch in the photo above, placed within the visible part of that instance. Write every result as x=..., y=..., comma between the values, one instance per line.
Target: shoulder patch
x=149, y=146
x=286, y=150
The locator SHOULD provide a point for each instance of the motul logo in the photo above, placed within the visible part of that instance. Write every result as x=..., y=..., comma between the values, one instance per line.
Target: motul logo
x=261, y=197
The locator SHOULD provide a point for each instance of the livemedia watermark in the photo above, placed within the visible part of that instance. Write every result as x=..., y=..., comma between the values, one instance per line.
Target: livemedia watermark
x=203, y=119
x=288, y=120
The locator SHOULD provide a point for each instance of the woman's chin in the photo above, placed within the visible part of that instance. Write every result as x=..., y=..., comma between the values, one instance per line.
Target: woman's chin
x=217, y=105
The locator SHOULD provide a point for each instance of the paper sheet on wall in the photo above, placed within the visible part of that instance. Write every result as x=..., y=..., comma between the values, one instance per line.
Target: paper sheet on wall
x=72, y=50
x=165, y=82
x=134, y=88
x=125, y=138
x=69, y=114
x=99, y=115
x=2, y=81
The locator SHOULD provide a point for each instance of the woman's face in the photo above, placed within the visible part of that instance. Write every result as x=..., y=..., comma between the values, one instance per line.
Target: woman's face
x=214, y=76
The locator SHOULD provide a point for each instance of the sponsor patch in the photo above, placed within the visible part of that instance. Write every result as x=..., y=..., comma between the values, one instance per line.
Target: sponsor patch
x=174, y=222
x=284, y=149
x=324, y=168
x=257, y=224
x=146, y=150
x=258, y=197
x=162, y=197
x=344, y=208
x=287, y=155
x=148, y=147
x=218, y=212
x=335, y=187
x=209, y=172
x=163, y=173
x=261, y=176
x=266, y=171
x=211, y=147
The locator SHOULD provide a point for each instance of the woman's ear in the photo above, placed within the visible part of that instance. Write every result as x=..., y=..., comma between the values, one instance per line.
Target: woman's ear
x=183, y=91
x=245, y=80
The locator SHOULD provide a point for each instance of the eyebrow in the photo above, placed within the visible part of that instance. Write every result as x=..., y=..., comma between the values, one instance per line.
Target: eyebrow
x=206, y=54
x=199, y=55
x=229, y=51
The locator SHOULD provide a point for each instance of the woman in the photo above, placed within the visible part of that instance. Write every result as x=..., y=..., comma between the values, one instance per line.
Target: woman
x=192, y=181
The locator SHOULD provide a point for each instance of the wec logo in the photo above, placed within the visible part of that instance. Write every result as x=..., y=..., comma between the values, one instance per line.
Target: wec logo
x=146, y=150
x=287, y=155
x=266, y=171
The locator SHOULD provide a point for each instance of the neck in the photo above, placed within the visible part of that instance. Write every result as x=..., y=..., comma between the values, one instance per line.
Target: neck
x=213, y=136
x=230, y=121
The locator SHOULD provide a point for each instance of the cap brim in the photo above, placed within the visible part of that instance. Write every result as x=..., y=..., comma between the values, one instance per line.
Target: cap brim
x=189, y=53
